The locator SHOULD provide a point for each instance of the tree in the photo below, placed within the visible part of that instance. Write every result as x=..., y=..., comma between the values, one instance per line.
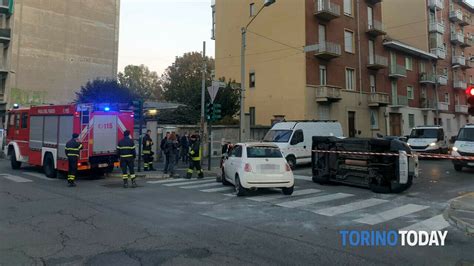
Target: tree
x=144, y=83
x=104, y=91
x=182, y=84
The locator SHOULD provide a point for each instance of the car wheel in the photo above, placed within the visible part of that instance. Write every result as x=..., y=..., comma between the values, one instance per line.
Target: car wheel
x=48, y=166
x=14, y=163
x=458, y=167
x=291, y=160
x=223, y=180
x=239, y=190
x=287, y=190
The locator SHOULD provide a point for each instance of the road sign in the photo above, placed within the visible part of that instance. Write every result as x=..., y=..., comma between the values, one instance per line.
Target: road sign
x=311, y=48
x=213, y=92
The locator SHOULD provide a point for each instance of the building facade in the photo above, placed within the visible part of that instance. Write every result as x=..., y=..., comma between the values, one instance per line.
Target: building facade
x=55, y=47
x=367, y=75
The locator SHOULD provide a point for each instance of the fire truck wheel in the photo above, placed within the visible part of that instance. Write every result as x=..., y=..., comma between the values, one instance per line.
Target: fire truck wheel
x=48, y=166
x=15, y=164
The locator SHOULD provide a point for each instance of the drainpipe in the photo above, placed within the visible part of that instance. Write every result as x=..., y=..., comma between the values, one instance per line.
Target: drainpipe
x=359, y=52
x=436, y=96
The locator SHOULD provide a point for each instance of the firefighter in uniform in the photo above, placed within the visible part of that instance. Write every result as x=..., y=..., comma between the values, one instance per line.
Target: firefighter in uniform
x=147, y=144
x=126, y=151
x=195, y=156
x=73, y=150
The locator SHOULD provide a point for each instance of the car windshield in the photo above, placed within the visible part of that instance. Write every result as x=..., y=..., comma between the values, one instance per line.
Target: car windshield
x=424, y=133
x=263, y=152
x=466, y=134
x=278, y=136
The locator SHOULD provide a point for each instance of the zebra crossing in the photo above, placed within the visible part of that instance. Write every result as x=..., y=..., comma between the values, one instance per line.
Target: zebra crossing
x=369, y=211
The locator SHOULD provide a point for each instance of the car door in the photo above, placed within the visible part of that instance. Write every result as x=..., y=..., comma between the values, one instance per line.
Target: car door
x=297, y=146
x=231, y=166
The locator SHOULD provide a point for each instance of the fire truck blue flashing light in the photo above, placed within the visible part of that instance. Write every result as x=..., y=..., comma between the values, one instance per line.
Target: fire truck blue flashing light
x=106, y=108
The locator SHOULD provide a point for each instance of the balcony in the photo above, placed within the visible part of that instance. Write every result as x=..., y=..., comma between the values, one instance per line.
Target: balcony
x=375, y=28
x=5, y=7
x=468, y=42
x=458, y=61
x=326, y=9
x=377, y=99
x=426, y=105
x=459, y=84
x=439, y=52
x=466, y=20
x=461, y=109
x=443, y=80
x=328, y=50
x=442, y=106
x=5, y=36
x=377, y=62
x=328, y=94
x=455, y=15
x=427, y=78
x=397, y=71
x=457, y=38
x=373, y=2
x=436, y=4
x=400, y=101
x=437, y=27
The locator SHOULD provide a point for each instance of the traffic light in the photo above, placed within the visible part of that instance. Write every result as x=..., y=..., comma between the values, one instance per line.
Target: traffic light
x=470, y=99
x=216, y=112
x=137, y=109
x=209, y=111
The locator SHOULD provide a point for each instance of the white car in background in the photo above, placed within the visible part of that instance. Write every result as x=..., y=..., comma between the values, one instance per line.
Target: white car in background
x=464, y=146
x=250, y=166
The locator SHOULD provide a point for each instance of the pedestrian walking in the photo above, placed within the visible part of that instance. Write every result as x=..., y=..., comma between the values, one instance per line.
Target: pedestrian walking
x=147, y=153
x=73, y=151
x=195, y=154
x=184, y=143
x=171, y=147
x=163, y=152
x=126, y=151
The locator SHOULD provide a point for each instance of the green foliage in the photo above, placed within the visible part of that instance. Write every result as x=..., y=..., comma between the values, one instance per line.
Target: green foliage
x=104, y=91
x=144, y=83
x=183, y=115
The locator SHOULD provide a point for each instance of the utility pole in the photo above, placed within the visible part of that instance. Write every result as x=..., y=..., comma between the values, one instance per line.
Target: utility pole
x=203, y=92
x=242, y=85
x=436, y=95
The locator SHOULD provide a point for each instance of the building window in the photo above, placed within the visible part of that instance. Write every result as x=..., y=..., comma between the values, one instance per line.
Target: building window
x=411, y=120
x=348, y=7
x=446, y=98
x=349, y=41
x=252, y=116
x=323, y=112
x=322, y=75
x=408, y=63
x=422, y=67
x=252, y=80
x=350, y=79
x=423, y=93
x=252, y=9
x=410, y=94
x=470, y=79
x=448, y=124
x=374, y=119
x=456, y=99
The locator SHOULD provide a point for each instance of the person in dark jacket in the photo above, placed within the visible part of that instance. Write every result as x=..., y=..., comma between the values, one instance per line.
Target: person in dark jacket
x=73, y=151
x=163, y=151
x=184, y=143
x=147, y=153
x=195, y=154
x=126, y=151
x=171, y=147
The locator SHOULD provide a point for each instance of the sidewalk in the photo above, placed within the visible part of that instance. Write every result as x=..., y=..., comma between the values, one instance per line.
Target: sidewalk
x=460, y=213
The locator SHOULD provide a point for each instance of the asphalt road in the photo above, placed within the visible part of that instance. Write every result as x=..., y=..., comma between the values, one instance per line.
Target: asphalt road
x=179, y=223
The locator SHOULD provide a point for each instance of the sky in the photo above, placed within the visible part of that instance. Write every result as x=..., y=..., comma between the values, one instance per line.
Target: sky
x=154, y=32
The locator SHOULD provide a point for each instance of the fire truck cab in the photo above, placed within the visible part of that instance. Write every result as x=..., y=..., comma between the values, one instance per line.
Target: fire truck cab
x=38, y=135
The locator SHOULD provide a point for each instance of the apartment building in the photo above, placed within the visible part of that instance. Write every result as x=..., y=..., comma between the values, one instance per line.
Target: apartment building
x=54, y=47
x=367, y=75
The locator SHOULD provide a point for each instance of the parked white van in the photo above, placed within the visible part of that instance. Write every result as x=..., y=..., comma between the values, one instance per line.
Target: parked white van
x=295, y=138
x=429, y=139
x=464, y=146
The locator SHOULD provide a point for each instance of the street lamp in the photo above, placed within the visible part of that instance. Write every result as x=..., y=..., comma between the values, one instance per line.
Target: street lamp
x=242, y=69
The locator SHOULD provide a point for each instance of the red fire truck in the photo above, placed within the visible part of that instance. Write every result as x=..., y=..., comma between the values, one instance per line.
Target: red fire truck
x=38, y=135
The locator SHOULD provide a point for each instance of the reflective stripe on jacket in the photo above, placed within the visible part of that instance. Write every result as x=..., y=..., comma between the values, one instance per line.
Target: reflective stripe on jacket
x=126, y=148
x=195, y=151
x=73, y=148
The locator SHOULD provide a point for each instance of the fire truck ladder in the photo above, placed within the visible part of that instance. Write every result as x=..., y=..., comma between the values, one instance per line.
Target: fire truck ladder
x=85, y=124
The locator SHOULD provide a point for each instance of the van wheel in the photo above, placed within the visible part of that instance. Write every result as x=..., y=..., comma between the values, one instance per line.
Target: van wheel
x=241, y=191
x=48, y=166
x=14, y=163
x=291, y=160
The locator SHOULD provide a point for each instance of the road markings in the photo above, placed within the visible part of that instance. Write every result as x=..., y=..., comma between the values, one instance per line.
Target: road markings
x=313, y=200
x=219, y=189
x=303, y=177
x=212, y=184
x=17, y=179
x=380, y=217
x=38, y=175
x=189, y=183
x=354, y=206
x=435, y=223
x=172, y=180
x=280, y=196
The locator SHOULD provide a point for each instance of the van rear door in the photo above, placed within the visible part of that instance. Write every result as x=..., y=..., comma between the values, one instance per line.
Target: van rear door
x=105, y=134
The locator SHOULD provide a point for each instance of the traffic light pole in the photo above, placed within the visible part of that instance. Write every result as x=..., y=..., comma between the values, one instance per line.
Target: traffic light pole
x=209, y=131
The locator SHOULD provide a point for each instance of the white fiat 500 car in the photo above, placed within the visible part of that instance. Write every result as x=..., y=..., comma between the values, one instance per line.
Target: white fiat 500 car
x=250, y=166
